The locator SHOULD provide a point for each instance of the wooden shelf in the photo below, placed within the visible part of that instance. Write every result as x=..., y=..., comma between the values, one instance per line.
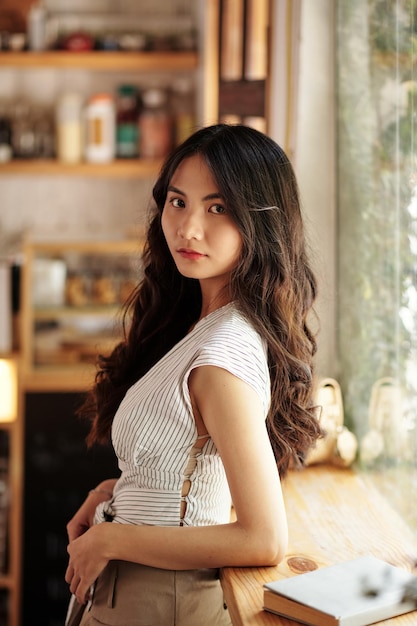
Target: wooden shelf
x=59, y=379
x=47, y=313
x=93, y=246
x=106, y=61
x=121, y=168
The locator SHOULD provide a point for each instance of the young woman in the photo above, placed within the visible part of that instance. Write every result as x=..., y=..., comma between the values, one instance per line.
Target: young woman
x=209, y=397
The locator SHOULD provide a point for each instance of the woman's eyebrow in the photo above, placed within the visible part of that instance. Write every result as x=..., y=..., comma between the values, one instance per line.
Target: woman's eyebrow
x=176, y=190
x=211, y=196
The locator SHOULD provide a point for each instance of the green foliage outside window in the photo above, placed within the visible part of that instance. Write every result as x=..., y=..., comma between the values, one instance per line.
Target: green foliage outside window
x=377, y=223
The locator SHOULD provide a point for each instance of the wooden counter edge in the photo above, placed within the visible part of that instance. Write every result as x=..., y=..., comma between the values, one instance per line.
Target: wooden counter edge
x=334, y=514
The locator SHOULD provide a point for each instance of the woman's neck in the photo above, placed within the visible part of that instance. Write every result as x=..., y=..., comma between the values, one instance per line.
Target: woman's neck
x=213, y=296
x=212, y=304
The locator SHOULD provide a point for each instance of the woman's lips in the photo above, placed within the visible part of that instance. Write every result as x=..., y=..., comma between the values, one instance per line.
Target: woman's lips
x=186, y=253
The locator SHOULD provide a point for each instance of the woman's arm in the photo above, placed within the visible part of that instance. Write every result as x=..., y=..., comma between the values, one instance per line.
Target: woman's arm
x=232, y=413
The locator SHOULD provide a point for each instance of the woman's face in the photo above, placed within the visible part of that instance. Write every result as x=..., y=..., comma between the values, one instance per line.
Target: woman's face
x=204, y=241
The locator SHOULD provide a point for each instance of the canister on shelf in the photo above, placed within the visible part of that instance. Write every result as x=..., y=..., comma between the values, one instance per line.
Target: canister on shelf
x=69, y=127
x=48, y=284
x=100, y=129
x=155, y=125
x=183, y=109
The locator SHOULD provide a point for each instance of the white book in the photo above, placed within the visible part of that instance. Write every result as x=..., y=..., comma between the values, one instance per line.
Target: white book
x=359, y=592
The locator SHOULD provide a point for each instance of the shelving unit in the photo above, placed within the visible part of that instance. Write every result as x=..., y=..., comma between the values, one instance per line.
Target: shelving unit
x=145, y=62
x=58, y=380
x=79, y=376
x=55, y=376
x=75, y=331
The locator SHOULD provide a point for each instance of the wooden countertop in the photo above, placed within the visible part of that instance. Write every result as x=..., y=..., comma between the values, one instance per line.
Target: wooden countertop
x=334, y=514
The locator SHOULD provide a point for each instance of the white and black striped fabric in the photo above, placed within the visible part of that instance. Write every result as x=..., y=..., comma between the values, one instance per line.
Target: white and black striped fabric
x=154, y=430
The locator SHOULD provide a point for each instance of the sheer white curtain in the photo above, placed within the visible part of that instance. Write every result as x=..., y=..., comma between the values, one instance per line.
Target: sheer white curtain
x=302, y=121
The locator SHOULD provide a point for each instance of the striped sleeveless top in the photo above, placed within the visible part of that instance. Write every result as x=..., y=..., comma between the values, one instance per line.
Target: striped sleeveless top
x=154, y=432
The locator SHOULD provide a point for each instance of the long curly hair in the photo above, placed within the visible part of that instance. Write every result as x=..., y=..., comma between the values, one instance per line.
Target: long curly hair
x=272, y=285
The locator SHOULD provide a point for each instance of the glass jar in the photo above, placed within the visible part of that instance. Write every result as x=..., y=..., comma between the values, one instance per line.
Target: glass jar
x=155, y=125
x=23, y=133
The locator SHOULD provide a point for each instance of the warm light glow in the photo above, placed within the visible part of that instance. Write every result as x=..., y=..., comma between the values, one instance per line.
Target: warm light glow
x=8, y=390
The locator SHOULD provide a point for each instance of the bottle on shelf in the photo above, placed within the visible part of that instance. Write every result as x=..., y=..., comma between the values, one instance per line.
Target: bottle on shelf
x=100, y=129
x=155, y=124
x=69, y=127
x=183, y=108
x=37, y=27
x=44, y=126
x=6, y=150
x=23, y=132
x=127, y=110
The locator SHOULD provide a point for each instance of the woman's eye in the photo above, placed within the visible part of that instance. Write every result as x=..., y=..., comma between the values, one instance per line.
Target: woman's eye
x=177, y=203
x=218, y=209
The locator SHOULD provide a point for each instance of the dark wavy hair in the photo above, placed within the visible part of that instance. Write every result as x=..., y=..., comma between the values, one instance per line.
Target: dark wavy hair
x=273, y=286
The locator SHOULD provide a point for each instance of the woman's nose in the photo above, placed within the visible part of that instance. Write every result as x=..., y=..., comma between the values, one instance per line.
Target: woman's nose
x=190, y=226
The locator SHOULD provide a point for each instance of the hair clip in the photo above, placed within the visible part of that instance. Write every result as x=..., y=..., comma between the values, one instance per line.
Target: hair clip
x=264, y=208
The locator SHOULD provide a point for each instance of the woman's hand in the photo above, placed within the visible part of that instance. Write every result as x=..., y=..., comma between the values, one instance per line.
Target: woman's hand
x=84, y=517
x=87, y=559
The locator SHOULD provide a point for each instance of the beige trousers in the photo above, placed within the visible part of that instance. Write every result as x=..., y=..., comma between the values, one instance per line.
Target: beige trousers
x=127, y=594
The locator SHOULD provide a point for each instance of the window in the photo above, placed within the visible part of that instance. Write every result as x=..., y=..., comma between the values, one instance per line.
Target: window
x=377, y=237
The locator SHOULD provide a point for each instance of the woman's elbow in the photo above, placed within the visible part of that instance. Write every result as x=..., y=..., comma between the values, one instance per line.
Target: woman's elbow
x=269, y=550
x=279, y=554
x=274, y=539
x=273, y=555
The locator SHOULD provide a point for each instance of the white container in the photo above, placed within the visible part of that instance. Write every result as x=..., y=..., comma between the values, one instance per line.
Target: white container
x=69, y=131
x=48, y=286
x=100, y=129
x=37, y=27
